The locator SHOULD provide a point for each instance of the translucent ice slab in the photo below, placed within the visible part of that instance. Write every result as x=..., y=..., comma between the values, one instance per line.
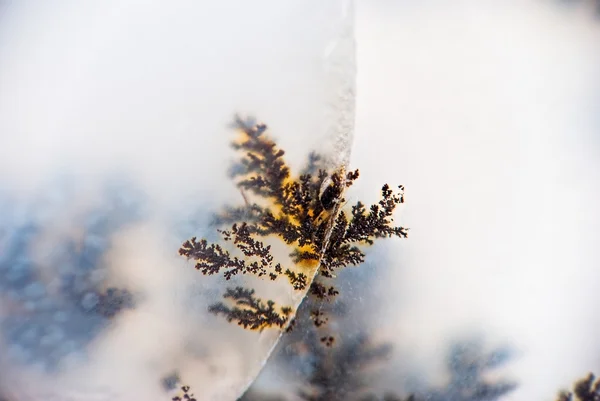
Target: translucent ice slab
x=115, y=148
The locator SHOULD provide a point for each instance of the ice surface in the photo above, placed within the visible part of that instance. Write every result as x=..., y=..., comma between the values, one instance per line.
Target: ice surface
x=114, y=149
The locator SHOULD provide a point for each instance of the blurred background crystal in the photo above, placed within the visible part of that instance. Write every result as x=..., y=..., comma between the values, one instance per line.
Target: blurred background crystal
x=56, y=303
